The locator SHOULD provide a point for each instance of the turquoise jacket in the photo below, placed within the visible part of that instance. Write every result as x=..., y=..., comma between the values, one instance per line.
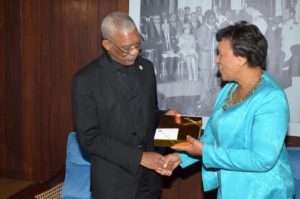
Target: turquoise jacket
x=244, y=155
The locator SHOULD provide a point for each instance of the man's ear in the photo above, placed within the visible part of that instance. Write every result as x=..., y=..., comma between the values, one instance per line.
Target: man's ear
x=106, y=45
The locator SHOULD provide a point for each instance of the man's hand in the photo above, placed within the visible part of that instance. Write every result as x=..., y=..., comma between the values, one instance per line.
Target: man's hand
x=172, y=161
x=193, y=147
x=152, y=160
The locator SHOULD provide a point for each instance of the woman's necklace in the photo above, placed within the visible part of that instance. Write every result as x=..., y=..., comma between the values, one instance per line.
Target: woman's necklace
x=228, y=100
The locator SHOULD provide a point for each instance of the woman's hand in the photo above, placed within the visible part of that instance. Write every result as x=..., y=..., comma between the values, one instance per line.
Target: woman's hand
x=192, y=146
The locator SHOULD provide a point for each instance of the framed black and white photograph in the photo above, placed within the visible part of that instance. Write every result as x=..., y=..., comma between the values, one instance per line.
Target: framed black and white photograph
x=179, y=38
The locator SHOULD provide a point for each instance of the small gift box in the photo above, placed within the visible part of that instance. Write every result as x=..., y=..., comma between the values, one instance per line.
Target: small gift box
x=172, y=130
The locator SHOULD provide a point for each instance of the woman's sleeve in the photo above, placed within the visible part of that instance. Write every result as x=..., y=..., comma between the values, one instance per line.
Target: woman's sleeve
x=207, y=138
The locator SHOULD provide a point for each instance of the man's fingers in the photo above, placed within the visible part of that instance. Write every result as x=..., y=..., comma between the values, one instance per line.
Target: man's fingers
x=169, y=165
x=164, y=172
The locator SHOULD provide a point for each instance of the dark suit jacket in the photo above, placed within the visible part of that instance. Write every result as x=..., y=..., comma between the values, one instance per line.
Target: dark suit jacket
x=105, y=129
x=156, y=37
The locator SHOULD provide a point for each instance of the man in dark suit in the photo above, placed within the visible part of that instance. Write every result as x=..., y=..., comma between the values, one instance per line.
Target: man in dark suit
x=115, y=115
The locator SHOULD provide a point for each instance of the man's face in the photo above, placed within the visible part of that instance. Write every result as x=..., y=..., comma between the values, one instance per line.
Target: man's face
x=286, y=14
x=211, y=20
x=193, y=17
x=180, y=12
x=187, y=11
x=156, y=19
x=172, y=18
x=124, y=47
x=199, y=11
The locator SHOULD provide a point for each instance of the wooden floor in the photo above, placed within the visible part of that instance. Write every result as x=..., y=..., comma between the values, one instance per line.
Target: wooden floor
x=9, y=187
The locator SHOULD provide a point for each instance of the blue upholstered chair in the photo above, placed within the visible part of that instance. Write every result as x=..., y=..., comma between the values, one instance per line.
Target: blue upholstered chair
x=77, y=176
x=294, y=156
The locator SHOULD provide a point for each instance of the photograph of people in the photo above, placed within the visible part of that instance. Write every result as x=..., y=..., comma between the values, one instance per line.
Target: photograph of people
x=242, y=149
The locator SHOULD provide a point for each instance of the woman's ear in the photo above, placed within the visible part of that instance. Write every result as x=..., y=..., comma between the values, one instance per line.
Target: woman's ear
x=242, y=60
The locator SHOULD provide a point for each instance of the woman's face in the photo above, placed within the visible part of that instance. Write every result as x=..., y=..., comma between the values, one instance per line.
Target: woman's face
x=229, y=64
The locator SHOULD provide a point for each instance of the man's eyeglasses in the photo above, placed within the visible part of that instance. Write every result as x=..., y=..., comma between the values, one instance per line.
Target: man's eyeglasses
x=129, y=49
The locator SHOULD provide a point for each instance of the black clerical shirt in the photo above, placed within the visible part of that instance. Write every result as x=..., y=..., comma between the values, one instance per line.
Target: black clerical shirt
x=130, y=81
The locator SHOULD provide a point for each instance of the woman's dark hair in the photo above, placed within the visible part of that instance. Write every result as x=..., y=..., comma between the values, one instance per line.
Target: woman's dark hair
x=246, y=41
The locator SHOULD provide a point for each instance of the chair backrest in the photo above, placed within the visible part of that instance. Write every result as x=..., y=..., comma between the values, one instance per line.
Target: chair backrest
x=77, y=177
x=294, y=157
x=52, y=193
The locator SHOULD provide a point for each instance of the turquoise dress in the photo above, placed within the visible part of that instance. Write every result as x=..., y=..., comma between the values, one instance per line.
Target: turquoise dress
x=244, y=154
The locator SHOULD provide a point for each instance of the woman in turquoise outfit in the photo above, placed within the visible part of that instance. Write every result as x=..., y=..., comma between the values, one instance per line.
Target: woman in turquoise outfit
x=242, y=150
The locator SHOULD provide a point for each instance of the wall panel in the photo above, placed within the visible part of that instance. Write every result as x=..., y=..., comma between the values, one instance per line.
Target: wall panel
x=43, y=43
x=10, y=87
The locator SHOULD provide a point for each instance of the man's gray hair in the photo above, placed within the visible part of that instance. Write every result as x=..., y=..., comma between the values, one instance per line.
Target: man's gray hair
x=116, y=21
